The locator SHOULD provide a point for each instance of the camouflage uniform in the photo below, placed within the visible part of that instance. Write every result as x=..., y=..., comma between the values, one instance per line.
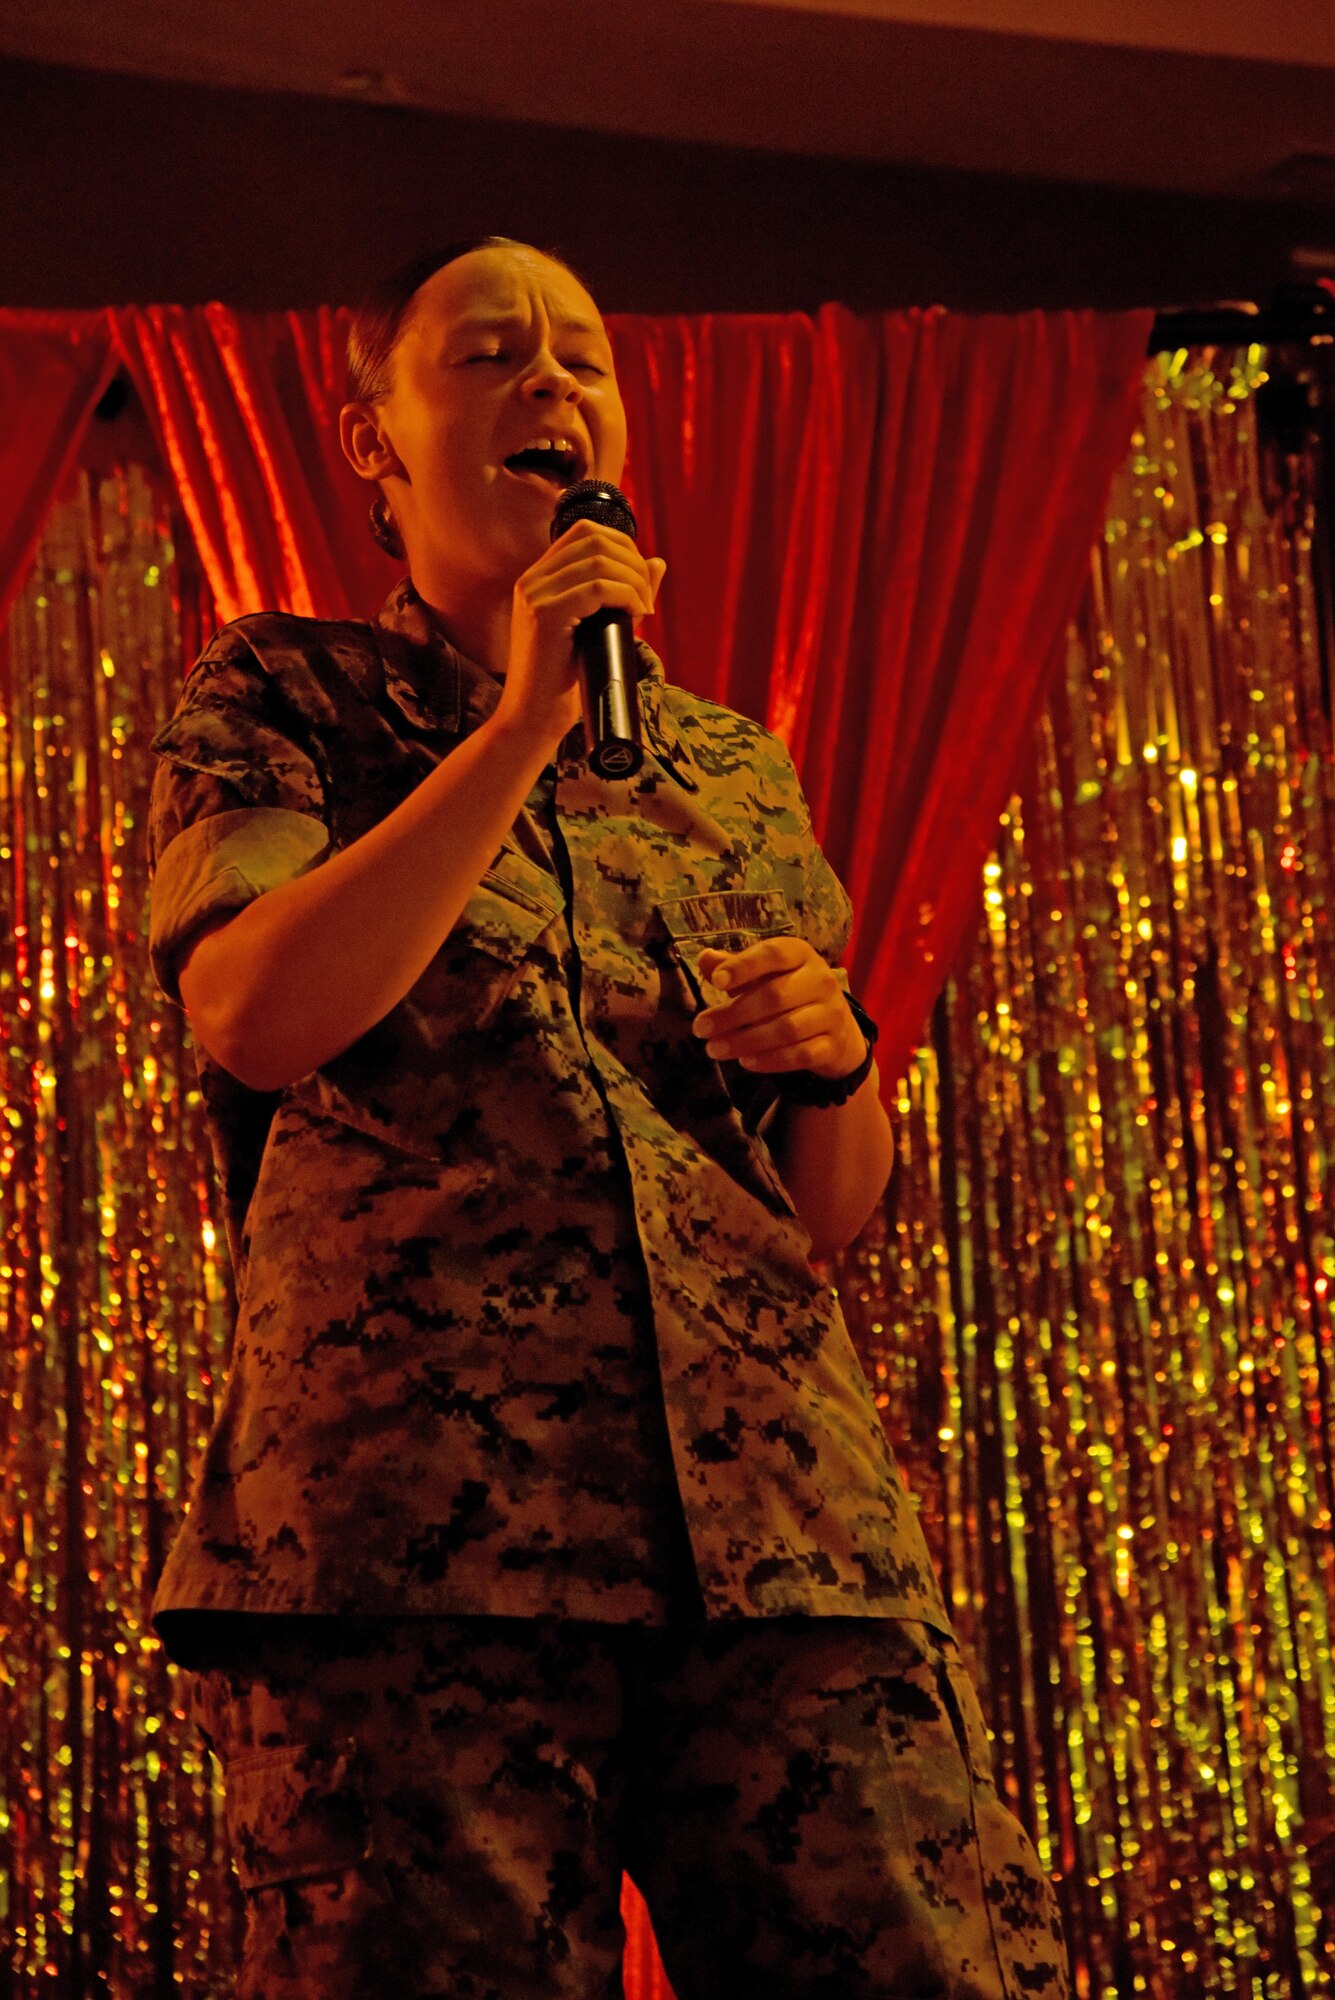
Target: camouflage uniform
x=526, y=1323
x=440, y=1807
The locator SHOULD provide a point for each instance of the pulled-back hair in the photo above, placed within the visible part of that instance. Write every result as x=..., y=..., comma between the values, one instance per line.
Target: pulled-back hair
x=377, y=325
x=381, y=319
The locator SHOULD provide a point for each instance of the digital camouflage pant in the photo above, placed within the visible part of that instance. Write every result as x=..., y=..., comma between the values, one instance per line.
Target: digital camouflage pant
x=432, y=1807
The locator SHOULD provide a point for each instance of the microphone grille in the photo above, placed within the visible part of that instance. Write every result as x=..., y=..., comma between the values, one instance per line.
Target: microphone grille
x=593, y=500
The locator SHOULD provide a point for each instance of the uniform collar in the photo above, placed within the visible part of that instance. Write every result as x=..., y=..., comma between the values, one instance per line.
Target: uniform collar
x=437, y=687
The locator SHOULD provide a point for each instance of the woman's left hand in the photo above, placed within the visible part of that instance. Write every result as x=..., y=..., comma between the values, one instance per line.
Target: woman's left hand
x=785, y=1010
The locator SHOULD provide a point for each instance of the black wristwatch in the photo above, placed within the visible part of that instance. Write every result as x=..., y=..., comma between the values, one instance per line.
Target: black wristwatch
x=803, y=1086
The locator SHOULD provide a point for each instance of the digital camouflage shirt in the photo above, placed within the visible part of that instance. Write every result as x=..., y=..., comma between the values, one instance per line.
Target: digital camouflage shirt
x=525, y=1312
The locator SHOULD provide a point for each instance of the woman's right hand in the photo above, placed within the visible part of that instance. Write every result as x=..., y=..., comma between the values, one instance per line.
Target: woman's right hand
x=587, y=567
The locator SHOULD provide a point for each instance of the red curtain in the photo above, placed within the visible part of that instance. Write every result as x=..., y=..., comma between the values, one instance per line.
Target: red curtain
x=53, y=369
x=876, y=527
x=246, y=406
x=877, y=530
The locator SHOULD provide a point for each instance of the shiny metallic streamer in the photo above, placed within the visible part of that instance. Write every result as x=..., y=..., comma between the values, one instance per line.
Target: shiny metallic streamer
x=115, y=1295
x=1095, y=1304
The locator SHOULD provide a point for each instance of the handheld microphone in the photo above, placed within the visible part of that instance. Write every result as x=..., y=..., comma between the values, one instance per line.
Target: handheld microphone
x=605, y=643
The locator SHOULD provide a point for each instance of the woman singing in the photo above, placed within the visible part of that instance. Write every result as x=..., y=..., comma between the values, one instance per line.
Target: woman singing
x=547, y=1526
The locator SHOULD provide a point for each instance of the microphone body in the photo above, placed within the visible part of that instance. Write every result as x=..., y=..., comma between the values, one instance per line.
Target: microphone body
x=605, y=644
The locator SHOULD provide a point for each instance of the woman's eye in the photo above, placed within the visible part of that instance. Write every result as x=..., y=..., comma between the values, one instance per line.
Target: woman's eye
x=500, y=354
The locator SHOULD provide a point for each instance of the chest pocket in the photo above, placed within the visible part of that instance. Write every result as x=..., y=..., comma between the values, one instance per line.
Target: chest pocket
x=719, y=920
x=483, y=955
x=406, y=1079
x=725, y=920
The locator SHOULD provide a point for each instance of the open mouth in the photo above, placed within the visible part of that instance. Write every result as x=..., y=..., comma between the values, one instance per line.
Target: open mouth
x=550, y=469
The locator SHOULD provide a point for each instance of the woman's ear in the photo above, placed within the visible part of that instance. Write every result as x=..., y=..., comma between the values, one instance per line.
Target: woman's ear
x=364, y=445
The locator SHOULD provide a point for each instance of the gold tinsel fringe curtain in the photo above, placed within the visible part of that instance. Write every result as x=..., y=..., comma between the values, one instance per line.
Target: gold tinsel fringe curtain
x=1096, y=1305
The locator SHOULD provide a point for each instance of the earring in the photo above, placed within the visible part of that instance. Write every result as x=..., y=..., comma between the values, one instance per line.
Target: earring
x=385, y=529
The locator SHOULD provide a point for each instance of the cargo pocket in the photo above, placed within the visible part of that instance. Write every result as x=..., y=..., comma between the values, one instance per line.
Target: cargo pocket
x=296, y=1812
x=726, y=920
x=321, y=1916
x=406, y=1079
x=1019, y=1896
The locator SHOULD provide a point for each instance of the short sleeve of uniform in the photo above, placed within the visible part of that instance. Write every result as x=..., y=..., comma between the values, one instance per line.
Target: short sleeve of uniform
x=822, y=906
x=821, y=909
x=238, y=801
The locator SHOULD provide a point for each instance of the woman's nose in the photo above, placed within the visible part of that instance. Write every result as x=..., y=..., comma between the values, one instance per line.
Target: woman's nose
x=549, y=377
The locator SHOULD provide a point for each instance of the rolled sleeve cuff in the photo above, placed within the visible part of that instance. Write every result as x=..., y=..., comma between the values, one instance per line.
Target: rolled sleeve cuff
x=219, y=865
